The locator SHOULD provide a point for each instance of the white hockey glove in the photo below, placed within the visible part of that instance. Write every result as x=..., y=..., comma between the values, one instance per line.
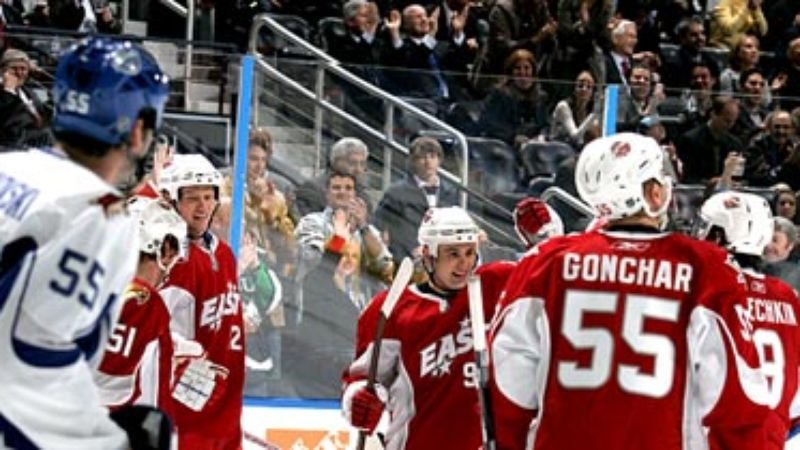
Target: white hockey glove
x=200, y=383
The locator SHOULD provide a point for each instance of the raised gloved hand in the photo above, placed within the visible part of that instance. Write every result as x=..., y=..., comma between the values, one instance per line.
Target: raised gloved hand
x=366, y=407
x=534, y=221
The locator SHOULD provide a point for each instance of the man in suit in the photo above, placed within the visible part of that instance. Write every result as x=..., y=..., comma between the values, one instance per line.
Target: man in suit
x=417, y=65
x=402, y=207
x=703, y=149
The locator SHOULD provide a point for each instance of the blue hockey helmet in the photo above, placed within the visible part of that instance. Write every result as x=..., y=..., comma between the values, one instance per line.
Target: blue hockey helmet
x=103, y=85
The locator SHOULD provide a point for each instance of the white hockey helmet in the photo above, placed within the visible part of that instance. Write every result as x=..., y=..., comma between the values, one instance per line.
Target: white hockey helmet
x=186, y=171
x=158, y=221
x=745, y=218
x=611, y=171
x=451, y=225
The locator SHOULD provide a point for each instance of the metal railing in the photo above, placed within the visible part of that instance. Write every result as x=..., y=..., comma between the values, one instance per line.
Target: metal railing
x=187, y=13
x=326, y=64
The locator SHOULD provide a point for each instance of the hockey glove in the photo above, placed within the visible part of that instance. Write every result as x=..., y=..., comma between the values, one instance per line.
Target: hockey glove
x=530, y=216
x=200, y=383
x=366, y=410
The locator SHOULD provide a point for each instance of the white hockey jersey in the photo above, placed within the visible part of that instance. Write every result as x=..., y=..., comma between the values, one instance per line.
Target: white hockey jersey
x=67, y=250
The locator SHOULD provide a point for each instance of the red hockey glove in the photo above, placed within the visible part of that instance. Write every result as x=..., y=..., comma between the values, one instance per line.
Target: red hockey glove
x=530, y=216
x=366, y=410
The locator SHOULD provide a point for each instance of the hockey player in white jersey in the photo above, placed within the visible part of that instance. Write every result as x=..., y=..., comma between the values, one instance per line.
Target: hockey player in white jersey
x=68, y=247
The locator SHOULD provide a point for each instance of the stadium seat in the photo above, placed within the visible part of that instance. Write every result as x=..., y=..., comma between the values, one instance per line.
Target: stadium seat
x=543, y=158
x=327, y=29
x=494, y=163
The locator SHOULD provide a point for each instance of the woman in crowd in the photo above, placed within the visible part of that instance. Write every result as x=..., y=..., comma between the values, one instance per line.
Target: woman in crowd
x=574, y=114
x=516, y=110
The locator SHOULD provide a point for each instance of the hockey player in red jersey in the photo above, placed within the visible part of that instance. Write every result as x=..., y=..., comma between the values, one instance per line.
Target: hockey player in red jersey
x=426, y=370
x=625, y=337
x=743, y=224
x=136, y=367
x=203, y=299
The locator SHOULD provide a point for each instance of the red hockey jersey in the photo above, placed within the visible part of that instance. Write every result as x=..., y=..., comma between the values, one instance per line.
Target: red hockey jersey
x=428, y=365
x=774, y=309
x=136, y=367
x=203, y=299
x=622, y=340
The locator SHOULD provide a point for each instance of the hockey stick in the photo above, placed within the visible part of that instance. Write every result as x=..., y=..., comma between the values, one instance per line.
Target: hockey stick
x=259, y=442
x=399, y=284
x=481, y=360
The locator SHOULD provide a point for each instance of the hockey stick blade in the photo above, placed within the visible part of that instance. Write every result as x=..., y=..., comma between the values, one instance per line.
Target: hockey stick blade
x=261, y=443
x=399, y=284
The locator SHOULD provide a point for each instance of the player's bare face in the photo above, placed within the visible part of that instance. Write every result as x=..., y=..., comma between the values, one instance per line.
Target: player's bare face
x=196, y=205
x=453, y=265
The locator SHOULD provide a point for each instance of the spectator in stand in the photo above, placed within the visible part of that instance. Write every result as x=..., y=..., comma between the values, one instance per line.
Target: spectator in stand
x=359, y=47
x=266, y=209
x=518, y=24
x=767, y=153
x=785, y=203
x=348, y=155
x=704, y=148
x=39, y=17
x=639, y=98
x=752, y=113
x=786, y=84
x=732, y=19
x=414, y=63
x=781, y=16
x=457, y=33
x=405, y=202
x=573, y=115
x=516, y=110
x=10, y=14
x=262, y=299
x=620, y=58
x=699, y=98
x=781, y=262
x=22, y=116
x=744, y=55
x=692, y=38
x=582, y=32
x=325, y=316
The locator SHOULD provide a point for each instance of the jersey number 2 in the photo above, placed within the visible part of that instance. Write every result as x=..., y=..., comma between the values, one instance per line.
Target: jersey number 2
x=600, y=341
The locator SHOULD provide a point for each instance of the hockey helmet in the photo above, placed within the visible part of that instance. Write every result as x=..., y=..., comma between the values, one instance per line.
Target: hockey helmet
x=745, y=218
x=611, y=171
x=103, y=85
x=158, y=222
x=186, y=171
x=451, y=225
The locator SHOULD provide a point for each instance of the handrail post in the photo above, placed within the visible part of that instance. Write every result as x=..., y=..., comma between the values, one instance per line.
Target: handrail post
x=388, y=129
x=319, y=90
x=462, y=141
x=187, y=68
x=126, y=7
